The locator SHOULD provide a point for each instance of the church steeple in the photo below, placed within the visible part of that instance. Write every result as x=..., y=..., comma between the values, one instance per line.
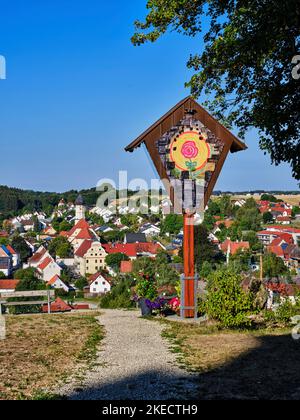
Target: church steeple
x=79, y=209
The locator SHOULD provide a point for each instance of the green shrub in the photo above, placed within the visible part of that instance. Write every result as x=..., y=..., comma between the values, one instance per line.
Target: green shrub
x=226, y=300
x=63, y=294
x=119, y=297
x=146, y=287
x=283, y=313
x=286, y=311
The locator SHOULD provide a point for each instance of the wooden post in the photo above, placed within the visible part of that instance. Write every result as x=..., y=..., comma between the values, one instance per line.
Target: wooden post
x=49, y=303
x=189, y=265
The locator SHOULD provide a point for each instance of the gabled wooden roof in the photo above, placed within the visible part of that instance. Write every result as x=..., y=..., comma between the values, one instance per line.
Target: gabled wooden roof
x=171, y=119
x=175, y=115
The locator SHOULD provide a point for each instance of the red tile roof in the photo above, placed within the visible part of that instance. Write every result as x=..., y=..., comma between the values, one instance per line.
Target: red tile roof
x=8, y=284
x=277, y=242
x=148, y=247
x=45, y=263
x=234, y=246
x=126, y=267
x=82, y=224
x=227, y=223
x=84, y=234
x=267, y=232
x=53, y=280
x=127, y=249
x=37, y=256
x=264, y=209
x=284, y=289
x=83, y=249
x=286, y=237
x=64, y=233
x=277, y=250
x=96, y=276
x=264, y=203
x=58, y=306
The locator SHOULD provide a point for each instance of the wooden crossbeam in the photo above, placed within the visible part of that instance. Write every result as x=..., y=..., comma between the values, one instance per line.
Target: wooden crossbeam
x=42, y=293
x=35, y=293
x=26, y=303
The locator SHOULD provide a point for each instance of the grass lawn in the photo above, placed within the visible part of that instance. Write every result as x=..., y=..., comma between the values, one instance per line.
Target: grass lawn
x=238, y=365
x=41, y=350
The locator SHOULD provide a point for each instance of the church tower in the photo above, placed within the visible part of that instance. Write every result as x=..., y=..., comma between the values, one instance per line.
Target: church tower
x=79, y=209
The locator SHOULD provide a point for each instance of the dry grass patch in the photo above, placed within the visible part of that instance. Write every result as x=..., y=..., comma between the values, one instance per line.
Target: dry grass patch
x=41, y=350
x=239, y=365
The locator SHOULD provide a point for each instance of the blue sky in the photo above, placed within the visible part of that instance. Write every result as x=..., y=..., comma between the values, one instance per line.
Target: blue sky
x=77, y=92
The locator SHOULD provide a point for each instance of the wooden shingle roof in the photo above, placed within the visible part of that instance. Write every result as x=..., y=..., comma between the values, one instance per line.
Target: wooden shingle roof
x=176, y=114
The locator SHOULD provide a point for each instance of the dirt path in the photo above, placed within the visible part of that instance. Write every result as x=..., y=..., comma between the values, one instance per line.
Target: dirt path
x=134, y=363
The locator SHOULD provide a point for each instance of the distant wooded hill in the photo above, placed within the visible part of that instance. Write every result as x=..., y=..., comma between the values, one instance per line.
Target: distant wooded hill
x=14, y=200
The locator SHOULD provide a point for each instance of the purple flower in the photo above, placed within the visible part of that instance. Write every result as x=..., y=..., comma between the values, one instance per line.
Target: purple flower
x=159, y=303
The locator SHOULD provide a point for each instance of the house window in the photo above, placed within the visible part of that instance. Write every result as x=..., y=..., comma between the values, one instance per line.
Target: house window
x=96, y=283
x=103, y=283
x=94, y=290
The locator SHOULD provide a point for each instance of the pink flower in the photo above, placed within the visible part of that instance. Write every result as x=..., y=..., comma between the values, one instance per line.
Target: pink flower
x=174, y=303
x=190, y=150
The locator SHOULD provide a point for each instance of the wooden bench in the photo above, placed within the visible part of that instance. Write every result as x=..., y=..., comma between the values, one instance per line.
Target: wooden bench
x=38, y=293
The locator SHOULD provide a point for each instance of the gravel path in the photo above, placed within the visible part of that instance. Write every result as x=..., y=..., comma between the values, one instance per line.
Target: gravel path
x=134, y=364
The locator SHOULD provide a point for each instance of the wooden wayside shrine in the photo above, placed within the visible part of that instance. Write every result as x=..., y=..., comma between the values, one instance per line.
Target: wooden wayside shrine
x=188, y=148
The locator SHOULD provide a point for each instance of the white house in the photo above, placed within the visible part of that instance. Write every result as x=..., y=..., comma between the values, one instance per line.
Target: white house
x=28, y=225
x=57, y=283
x=150, y=230
x=104, y=229
x=38, y=257
x=48, y=269
x=16, y=260
x=99, y=284
x=239, y=203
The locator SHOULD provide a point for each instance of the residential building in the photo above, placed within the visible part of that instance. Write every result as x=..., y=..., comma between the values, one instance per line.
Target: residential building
x=38, y=257
x=99, y=284
x=48, y=268
x=90, y=257
x=57, y=283
x=150, y=230
x=279, y=293
x=16, y=260
x=231, y=248
x=80, y=233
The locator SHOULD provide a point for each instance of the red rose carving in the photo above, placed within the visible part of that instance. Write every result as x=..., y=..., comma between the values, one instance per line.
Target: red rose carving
x=190, y=150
